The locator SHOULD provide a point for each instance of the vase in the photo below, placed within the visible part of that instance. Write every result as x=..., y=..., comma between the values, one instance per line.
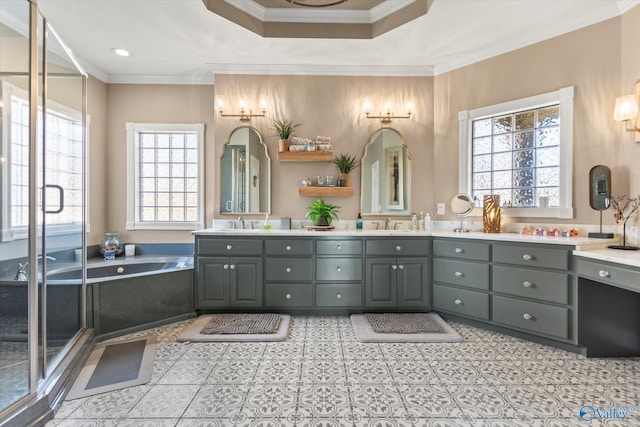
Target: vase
x=283, y=145
x=345, y=179
x=111, y=241
x=323, y=221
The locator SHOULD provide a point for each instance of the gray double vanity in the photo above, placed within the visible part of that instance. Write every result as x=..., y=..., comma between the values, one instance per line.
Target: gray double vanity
x=526, y=286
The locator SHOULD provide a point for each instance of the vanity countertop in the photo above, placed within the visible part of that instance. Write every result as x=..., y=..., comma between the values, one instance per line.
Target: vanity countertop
x=630, y=258
x=580, y=242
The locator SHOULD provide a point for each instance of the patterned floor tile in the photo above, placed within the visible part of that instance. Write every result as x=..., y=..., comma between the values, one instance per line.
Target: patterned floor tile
x=428, y=401
x=237, y=371
x=217, y=401
x=116, y=404
x=324, y=370
x=376, y=401
x=368, y=371
x=164, y=401
x=478, y=401
x=187, y=372
x=148, y=422
x=324, y=401
x=271, y=401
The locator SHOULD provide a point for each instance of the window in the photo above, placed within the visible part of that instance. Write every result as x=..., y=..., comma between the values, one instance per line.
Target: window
x=164, y=182
x=520, y=150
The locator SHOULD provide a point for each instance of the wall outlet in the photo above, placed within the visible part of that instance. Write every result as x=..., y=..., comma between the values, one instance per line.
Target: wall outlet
x=440, y=208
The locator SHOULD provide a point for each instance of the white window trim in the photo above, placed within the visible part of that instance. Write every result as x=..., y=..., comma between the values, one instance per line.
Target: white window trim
x=562, y=96
x=133, y=181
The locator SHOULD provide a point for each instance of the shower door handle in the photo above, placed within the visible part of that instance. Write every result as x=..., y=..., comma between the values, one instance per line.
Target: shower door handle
x=60, y=199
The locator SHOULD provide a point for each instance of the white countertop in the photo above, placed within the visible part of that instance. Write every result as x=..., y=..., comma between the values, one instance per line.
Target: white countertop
x=580, y=242
x=630, y=258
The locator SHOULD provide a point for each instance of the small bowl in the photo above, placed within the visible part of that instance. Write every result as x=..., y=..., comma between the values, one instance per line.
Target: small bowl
x=267, y=226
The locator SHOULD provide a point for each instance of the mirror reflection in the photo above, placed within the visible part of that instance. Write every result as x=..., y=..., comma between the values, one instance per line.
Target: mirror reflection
x=245, y=173
x=386, y=174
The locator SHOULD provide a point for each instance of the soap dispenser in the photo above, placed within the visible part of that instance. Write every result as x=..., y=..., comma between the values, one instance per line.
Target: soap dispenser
x=414, y=222
x=359, y=222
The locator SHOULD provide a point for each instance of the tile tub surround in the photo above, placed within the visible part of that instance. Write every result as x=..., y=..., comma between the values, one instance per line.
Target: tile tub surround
x=323, y=375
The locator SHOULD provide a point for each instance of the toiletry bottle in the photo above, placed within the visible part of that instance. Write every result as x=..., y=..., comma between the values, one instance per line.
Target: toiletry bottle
x=414, y=222
x=359, y=222
x=427, y=222
x=421, y=221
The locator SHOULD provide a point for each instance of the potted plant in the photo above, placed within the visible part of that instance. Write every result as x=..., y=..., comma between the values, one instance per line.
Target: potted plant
x=322, y=213
x=345, y=164
x=284, y=129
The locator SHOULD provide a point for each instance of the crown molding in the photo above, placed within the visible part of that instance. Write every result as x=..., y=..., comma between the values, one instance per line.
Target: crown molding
x=387, y=8
x=197, y=79
x=323, y=70
x=625, y=5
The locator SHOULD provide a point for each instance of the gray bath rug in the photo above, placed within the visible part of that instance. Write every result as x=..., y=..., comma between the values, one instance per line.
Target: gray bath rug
x=365, y=333
x=402, y=323
x=248, y=323
x=193, y=332
x=112, y=366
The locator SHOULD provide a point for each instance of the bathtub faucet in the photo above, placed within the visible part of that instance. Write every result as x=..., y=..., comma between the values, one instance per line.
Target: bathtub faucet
x=241, y=222
x=21, y=274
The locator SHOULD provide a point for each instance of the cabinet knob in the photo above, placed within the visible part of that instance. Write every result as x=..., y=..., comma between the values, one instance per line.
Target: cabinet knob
x=457, y=301
x=604, y=273
x=229, y=247
x=339, y=268
x=288, y=296
x=394, y=267
x=232, y=266
x=527, y=284
x=288, y=269
x=401, y=267
x=527, y=316
x=458, y=250
x=120, y=270
x=458, y=274
x=398, y=248
x=339, y=247
x=288, y=247
x=527, y=257
x=226, y=266
x=339, y=296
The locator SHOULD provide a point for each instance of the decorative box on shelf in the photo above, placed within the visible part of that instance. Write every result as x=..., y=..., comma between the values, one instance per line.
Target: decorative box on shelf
x=305, y=156
x=317, y=191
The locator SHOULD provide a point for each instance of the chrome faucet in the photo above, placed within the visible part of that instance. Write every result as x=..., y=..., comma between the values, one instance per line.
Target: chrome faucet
x=387, y=222
x=241, y=222
x=21, y=274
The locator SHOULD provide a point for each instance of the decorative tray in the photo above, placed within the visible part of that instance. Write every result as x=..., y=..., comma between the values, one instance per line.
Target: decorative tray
x=319, y=227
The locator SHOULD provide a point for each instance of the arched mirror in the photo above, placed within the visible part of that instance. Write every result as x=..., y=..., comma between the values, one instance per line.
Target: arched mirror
x=386, y=175
x=462, y=206
x=245, y=173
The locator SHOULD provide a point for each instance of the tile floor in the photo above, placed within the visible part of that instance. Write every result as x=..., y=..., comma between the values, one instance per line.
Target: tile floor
x=323, y=377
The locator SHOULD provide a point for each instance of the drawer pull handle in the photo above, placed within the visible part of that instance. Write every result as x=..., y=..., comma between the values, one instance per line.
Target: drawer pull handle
x=288, y=269
x=232, y=266
x=527, y=316
x=288, y=296
x=339, y=296
x=229, y=247
x=604, y=273
x=457, y=301
x=394, y=267
x=401, y=267
x=459, y=250
x=398, y=248
x=339, y=268
x=120, y=270
x=527, y=284
x=458, y=274
x=288, y=247
x=339, y=247
x=226, y=266
x=527, y=257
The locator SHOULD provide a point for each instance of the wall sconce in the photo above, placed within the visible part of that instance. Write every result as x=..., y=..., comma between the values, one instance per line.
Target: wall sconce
x=244, y=116
x=626, y=110
x=491, y=213
x=387, y=115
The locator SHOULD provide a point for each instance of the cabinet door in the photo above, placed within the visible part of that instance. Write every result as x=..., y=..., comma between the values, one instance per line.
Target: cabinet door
x=381, y=282
x=212, y=282
x=245, y=282
x=412, y=282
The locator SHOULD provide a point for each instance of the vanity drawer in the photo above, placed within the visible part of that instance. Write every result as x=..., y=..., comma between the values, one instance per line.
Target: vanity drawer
x=288, y=295
x=535, y=284
x=532, y=256
x=612, y=275
x=467, y=274
x=339, y=295
x=398, y=247
x=339, y=269
x=339, y=247
x=229, y=246
x=461, y=249
x=461, y=301
x=532, y=316
x=289, y=269
x=289, y=247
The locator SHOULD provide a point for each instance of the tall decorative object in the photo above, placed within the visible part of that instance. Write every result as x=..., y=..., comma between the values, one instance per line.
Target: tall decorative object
x=491, y=213
x=625, y=208
x=111, y=241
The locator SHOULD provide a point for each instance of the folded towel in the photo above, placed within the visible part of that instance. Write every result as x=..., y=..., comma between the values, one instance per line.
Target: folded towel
x=296, y=140
x=323, y=139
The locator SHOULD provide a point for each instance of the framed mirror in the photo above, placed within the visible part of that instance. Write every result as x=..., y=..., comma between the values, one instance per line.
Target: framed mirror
x=462, y=206
x=386, y=175
x=245, y=173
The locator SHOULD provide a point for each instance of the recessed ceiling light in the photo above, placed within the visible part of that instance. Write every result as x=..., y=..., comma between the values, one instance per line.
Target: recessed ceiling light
x=120, y=51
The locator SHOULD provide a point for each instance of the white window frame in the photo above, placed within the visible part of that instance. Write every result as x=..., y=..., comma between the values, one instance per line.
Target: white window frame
x=563, y=97
x=133, y=175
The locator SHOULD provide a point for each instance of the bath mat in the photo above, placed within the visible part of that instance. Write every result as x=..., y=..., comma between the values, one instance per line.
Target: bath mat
x=249, y=323
x=192, y=333
x=402, y=323
x=365, y=333
x=113, y=366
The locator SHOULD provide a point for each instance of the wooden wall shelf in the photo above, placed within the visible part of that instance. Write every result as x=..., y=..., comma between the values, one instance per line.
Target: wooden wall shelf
x=326, y=191
x=305, y=156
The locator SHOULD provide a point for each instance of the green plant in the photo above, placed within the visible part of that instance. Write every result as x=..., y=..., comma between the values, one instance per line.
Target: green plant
x=321, y=209
x=345, y=163
x=284, y=128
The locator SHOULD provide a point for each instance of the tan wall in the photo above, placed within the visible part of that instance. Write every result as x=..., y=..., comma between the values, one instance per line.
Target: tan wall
x=588, y=59
x=149, y=104
x=97, y=166
x=328, y=106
